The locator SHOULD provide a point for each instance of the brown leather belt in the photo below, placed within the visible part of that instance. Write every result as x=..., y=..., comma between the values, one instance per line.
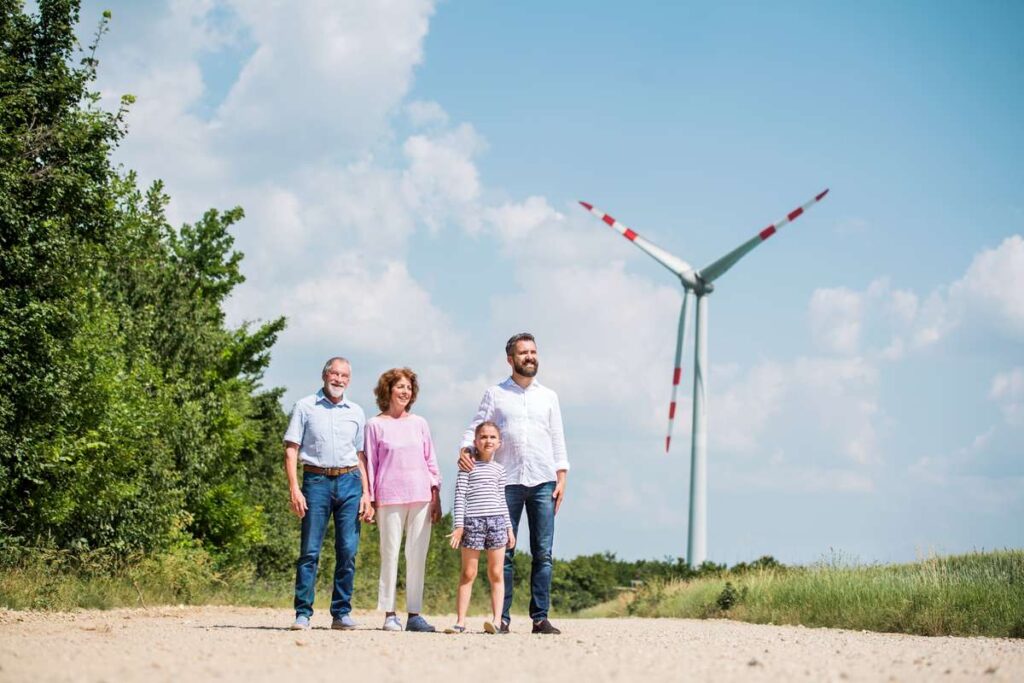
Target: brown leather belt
x=329, y=471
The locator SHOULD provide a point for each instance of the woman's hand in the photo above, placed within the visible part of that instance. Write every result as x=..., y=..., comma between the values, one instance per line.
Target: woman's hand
x=366, y=508
x=435, y=506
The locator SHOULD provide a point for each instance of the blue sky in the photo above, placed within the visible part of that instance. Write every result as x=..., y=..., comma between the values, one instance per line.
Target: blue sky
x=410, y=172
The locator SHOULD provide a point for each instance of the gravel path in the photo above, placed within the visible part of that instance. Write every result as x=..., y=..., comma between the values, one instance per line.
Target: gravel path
x=245, y=644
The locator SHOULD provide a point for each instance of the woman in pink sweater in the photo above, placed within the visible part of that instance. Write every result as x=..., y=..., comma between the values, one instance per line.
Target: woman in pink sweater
x=405, y=486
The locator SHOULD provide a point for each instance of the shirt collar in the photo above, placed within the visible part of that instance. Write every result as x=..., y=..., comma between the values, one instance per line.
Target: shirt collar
x=321, y=396
x=510, y=383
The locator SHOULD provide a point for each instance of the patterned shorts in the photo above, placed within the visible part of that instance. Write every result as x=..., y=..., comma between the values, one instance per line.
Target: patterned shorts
x=484, y=533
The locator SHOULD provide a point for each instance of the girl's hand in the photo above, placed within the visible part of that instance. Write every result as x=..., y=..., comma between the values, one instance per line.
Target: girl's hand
x=511, y=539
x=455, y=538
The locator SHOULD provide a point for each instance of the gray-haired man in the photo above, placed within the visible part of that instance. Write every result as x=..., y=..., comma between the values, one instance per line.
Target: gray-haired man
x=325, y=433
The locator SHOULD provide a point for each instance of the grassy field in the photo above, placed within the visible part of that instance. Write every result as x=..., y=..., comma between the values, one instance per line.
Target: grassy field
x=53, y=580
x=980, y=594
x=966, y=595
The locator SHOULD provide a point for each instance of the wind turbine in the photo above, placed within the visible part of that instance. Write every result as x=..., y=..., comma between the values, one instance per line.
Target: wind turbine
x=699, y=283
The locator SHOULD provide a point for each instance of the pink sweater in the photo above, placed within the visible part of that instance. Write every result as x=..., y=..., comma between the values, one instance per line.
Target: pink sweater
x=401, y=461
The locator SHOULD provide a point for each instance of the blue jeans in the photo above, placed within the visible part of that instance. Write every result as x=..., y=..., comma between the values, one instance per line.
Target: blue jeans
x=540, y=513
x=326, y=496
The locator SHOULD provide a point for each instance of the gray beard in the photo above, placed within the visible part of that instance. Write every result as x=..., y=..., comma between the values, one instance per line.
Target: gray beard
x=334, y=392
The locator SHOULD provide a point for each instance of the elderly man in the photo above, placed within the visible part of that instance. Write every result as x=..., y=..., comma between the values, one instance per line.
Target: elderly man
x=325, y=432
x=533, y=454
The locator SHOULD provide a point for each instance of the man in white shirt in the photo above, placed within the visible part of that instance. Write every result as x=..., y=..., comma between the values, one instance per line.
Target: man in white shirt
x=533, y=454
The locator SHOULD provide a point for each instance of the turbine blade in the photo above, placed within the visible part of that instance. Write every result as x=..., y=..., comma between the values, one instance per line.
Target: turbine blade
x=681, y=268
x=719, y=267
x=677, y=374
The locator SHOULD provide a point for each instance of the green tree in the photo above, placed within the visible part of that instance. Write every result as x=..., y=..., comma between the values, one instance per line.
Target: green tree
x=131, y=416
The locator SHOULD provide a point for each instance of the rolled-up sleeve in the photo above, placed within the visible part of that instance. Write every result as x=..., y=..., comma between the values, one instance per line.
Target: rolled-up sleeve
x=370, y=449
x=358, y=439
x=430, y=457
x=483, y=413
x=296, y=425
x=558, y=451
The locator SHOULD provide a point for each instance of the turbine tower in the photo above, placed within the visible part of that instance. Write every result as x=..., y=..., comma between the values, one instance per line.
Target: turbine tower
x=698, y=283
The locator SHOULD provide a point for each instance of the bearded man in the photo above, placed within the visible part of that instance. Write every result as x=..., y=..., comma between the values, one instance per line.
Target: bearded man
x=534, y=457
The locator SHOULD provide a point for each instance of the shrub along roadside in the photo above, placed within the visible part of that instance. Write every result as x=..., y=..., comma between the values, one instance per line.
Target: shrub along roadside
x=979, y=594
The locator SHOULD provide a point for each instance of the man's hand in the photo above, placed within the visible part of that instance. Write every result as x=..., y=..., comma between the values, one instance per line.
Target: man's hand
x=455, y=538
x=466, y=459
x=298, y=502
x=435, y=506
x=559, y=492
x=366, y=507
x=511, y=539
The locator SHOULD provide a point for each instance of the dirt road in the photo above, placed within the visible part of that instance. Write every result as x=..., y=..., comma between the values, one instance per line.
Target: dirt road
x=230, y=643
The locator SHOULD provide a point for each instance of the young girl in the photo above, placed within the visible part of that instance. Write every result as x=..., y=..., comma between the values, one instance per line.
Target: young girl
x=482, y=523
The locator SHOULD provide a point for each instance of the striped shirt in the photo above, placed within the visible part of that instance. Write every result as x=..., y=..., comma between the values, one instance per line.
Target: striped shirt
x=481, y=493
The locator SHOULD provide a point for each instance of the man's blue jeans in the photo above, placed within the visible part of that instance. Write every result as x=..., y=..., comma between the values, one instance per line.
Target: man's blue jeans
x=540, y=513
x=326, y=496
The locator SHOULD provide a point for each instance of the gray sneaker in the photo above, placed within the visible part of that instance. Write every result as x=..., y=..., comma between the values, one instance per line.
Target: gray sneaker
x=344, y=623
x=392, y=624
x=301, y=623
x=419, y=624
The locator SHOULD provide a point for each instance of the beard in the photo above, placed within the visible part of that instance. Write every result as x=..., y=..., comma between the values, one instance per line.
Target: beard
x=333, y=391
x=527, y=369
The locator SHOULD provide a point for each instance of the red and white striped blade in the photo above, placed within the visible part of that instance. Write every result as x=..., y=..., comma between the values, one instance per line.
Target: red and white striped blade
x=677, y=373
x=681, y=268
x=719, y=267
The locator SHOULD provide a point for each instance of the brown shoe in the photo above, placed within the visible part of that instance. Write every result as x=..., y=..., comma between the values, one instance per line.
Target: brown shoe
x=546, y=627
x=503, y=628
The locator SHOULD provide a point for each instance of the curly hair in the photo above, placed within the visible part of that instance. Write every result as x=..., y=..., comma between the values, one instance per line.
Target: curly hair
x=388, y=380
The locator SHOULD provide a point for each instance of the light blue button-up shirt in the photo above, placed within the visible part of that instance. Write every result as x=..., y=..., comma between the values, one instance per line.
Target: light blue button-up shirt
x=328, y=434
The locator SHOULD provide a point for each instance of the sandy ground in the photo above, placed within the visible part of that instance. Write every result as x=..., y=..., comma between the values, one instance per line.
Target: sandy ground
x=232, y=643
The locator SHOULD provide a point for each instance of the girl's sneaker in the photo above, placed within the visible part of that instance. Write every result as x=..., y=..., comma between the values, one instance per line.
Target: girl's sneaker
x=455, y=629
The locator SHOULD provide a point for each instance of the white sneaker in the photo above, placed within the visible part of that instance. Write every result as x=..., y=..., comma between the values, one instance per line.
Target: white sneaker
x=392, y=624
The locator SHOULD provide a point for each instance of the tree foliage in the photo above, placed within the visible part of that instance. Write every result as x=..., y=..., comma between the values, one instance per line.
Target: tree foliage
x=131, y=415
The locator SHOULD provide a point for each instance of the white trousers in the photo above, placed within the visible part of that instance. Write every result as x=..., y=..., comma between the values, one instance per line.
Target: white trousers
x=391, y=519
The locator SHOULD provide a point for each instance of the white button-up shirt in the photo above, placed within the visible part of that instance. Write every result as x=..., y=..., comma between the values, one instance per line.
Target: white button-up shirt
x=532, y=440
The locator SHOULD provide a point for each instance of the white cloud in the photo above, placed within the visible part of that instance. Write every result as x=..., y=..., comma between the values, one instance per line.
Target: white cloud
x=788, y=477
x=1008, y=390
x=888, y=323
x=743, y=407
x=324, y=77
x=833, y=402
x=607, y=329
x=426, y=114
x=383, y=311
x=442, y=182
x=835, y=319
x=992, y=289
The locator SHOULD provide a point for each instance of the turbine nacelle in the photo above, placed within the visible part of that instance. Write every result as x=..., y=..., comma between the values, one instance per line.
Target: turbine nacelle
x=696, y=284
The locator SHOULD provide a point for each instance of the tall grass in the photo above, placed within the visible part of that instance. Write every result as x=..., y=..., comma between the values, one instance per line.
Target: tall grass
x=47, y=579
x=966, y=595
